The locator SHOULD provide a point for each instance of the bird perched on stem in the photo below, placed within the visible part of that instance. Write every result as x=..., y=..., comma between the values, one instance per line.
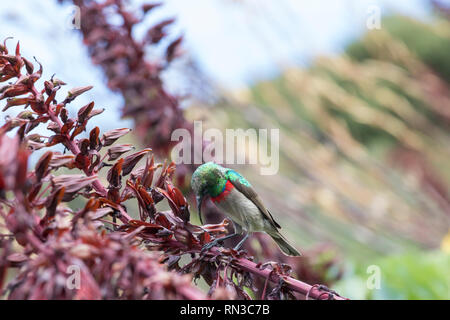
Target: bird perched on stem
x=234, y=195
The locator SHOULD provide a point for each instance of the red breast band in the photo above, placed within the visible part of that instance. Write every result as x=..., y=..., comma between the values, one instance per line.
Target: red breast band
x=228, y=187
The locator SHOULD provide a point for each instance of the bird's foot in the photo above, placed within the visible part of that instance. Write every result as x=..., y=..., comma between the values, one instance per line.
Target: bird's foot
x=211, y=244
x=238, y=248
x=326, y=292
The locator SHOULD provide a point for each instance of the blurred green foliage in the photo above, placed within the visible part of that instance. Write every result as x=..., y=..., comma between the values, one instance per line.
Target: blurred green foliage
x=429, y=42
x=411, y=276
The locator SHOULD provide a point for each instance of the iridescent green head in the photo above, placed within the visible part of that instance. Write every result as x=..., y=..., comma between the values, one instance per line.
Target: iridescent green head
x=208, y=179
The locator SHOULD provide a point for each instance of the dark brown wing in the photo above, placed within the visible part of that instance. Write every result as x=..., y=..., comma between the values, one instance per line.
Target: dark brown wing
x=248, y=191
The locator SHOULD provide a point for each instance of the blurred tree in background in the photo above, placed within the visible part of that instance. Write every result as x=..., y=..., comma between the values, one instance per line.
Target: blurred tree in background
x=364, y=155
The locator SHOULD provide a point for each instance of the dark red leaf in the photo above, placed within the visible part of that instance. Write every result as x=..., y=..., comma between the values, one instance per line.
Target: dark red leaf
x=94, y=141
x=111, y=136
x=114, y=174
x=83, y=113
x=131, y=161
x=42, y=165
x=116, y=151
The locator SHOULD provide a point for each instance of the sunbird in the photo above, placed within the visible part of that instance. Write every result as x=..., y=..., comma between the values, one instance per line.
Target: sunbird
x=235, y=196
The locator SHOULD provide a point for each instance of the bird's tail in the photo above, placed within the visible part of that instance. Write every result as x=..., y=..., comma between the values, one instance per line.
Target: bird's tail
x=284, y=245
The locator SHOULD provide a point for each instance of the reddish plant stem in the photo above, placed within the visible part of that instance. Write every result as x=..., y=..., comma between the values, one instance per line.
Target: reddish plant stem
x=289, y=282
x=312, y=291
x=263, y=295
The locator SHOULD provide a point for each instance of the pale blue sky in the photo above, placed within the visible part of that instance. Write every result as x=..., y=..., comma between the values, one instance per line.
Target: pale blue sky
x=235, y=42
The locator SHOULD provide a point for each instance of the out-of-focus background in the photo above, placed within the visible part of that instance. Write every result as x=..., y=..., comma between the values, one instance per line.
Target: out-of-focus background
x=363, y=108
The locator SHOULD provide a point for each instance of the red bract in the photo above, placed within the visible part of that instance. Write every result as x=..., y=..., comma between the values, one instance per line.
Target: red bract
x=113, y=255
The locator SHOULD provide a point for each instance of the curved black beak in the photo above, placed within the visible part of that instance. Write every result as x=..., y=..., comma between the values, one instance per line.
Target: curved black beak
x=199, y=207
